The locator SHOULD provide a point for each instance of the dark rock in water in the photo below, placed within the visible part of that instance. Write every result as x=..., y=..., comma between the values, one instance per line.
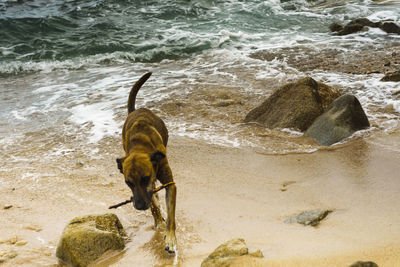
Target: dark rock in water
x=351, y=28
x=389, y=27
x=364, y=22
x=344, y=117
x=392, y=77
x=364, y=264
x=294, y=105
x=227, y=253
x=310, y=217
x=335, y=27
x=86, y=238
x=357, y=25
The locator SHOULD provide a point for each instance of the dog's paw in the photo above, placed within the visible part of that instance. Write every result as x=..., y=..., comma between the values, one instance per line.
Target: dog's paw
x=170, y=242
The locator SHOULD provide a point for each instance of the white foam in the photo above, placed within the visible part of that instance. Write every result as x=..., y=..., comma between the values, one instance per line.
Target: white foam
x=97, y=118
x=384, y=15
x=17, y=115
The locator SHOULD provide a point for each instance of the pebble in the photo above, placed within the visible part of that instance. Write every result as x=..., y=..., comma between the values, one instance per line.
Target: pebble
x=310, y=217
x=8, y=254
x=33, y=228
x=21, y=243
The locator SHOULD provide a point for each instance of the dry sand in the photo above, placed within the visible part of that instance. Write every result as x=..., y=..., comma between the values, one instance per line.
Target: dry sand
x=223, y=193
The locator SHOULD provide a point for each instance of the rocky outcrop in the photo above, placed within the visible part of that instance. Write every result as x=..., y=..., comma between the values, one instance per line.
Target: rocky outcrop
x=357, y=25
x=364, y=264
x=294, y=105
x=344, y=117
x=391, y=77
x=228, y=253
x=310, y=217
x=86, y=238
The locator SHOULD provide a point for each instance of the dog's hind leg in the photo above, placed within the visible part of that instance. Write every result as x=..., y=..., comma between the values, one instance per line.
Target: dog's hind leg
x=155, y=210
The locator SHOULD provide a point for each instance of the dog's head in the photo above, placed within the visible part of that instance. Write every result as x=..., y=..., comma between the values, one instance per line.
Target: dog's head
x=139, y=170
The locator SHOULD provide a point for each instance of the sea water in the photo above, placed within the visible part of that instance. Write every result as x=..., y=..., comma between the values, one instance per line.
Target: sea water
x=66, y=68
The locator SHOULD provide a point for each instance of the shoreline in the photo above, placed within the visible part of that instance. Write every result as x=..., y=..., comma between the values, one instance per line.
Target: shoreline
x=223, y=193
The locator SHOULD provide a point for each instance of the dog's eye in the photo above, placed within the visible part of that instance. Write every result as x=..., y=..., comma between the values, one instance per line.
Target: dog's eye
x=145, y=180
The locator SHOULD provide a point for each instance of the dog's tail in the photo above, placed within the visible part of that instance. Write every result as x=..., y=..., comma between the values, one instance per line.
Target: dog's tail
x=135, y=90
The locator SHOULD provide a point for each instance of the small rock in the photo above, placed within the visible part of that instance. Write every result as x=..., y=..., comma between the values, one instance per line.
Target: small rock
x=33, y=228
x=228, y=252
x=258, y=254
x=12, y=254
x=21, y=243
x=286, y=184
x=364, y=264
x=391, y=77
x=11, y=240
x=310, y=217
x=80, y=164
x=6, y=207
x=8, y=254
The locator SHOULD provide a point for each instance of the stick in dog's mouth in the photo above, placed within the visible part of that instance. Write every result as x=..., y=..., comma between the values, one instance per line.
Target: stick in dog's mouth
x=155, y=190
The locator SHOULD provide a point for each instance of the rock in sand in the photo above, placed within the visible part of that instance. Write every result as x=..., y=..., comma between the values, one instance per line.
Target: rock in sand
x=310, y=217
x=344, y=117
x=86, y=238
x=294, y=105
x=364, y=264
x=228, y=252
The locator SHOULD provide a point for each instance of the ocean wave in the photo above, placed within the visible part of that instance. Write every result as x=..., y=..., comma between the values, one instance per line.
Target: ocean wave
x=42, y=35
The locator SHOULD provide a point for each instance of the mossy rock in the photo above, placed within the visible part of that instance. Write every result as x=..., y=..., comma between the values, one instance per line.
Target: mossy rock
x=228, y=252
x=86, y=238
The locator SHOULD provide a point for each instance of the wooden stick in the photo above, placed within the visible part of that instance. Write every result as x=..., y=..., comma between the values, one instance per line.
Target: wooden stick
x=130, y=200
x=120, y=204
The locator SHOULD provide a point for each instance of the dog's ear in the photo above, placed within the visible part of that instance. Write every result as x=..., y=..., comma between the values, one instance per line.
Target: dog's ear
x=157, y=156
x=119, y=164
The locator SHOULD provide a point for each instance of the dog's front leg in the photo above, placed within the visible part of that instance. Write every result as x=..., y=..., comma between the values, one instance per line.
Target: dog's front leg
x=155, y=210
x=170, y=238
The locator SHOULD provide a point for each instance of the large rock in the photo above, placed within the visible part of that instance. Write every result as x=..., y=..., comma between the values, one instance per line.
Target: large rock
x=86, y=238
x=357, y=25
x=364, y=264
x=227, y=253
x=344, y=117
x=294, y=105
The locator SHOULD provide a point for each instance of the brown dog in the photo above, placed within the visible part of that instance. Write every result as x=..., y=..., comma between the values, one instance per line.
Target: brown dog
x=145, y=138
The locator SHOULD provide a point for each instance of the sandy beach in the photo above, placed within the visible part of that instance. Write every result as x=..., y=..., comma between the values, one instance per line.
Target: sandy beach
x=223, y=193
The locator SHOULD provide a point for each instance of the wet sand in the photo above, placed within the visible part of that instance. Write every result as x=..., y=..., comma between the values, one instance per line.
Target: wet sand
x=223, y=193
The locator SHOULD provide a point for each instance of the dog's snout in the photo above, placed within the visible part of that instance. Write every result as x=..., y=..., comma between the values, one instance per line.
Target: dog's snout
x=140, y=205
